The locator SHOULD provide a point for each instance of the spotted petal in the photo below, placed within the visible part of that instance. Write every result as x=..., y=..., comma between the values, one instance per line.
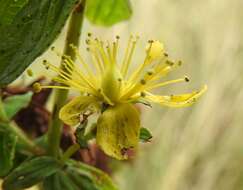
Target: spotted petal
x=118, y=130
x=182, y=100
x=70, y=113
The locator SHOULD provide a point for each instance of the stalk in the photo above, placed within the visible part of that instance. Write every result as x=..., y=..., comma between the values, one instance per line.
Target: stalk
x=70, y=151
x=73, y=35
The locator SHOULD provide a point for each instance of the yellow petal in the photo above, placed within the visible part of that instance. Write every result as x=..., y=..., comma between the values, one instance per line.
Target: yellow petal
x=182, y=100
x=118, y=130
x=70, y=113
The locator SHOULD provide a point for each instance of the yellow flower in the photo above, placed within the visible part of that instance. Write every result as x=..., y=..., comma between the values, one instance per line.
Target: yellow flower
x=110, y=88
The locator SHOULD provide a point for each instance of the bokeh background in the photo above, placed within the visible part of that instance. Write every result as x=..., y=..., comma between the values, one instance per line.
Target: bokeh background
x=195, y=148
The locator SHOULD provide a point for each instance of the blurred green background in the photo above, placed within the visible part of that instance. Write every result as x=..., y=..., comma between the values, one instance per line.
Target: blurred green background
x=199, y=147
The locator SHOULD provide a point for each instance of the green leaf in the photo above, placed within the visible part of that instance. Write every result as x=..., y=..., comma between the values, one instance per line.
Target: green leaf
x=118, y=130
x=145, y=135
x=32, y=30
x=108, y=12
x=7, y=152
x=59, y=181
x=89, y=177
x=80, y=135
x=31, y=172
x=85, y=133
x=13, y=104
x=76, y=176
x=9, y=9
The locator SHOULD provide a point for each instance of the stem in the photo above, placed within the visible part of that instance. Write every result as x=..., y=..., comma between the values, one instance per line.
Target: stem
x=3, y=116
x=70, y=151
x=73, y=35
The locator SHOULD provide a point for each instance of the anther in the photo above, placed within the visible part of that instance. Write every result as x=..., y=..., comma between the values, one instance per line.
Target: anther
x=143, y=81
x=180, y=63
x=170, y=63
x=44, y=61
x=166, y=54
x=187, y=79
x=29, y=72
x=52, y=48
x=89, y=34
x=150, y=72
x=87, y=41
x=119, y=79
x=150, y=41
x=87, y=49
x=36, y=87
x=117, y=37
x=142, y=94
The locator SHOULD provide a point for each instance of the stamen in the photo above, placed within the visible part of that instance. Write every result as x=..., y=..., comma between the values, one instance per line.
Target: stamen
x=36, y=87
x=30, y=72
x=146, y=62
x=150, y=72
x=150, y=87
x=187, y=79
x=143, y=82
x=105, y=97
x=87, y=41
x=68, y=76
x=123, y=66
x=59, y=71
x=58, y=53
x=85, y=65
x=115, y=47
x=57, y=87
x=97, y=60
x=72, y=85
x=143, y=94
x=128, y=56
x=114, y=50
x=98, y=45
x=110, y=54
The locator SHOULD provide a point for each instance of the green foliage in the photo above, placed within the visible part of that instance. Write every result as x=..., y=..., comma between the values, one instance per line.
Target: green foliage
x=84, y=133
x=59, y=181
x=108, y=12
x=7, y=152
x=145, y=135
x=8, y=139
x=79, y=176
x=15, y=103
x=31, y=172
x=30, y=29
x=80, y=135
x=9, y=9
x=72, y=175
